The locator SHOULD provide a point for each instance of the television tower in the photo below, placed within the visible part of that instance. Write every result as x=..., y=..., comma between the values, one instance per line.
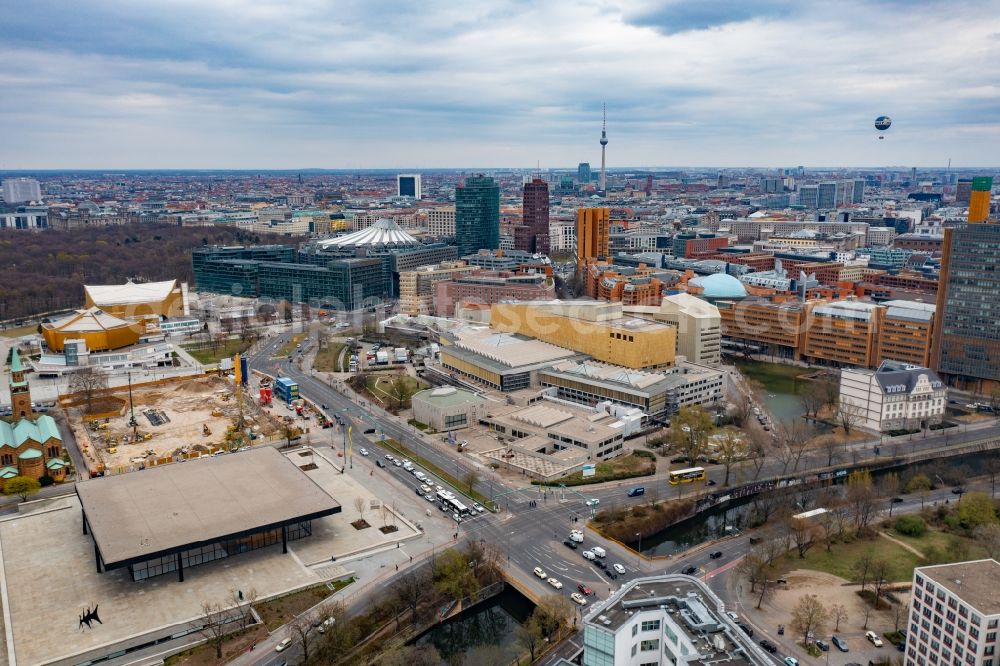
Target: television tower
x=604, y=143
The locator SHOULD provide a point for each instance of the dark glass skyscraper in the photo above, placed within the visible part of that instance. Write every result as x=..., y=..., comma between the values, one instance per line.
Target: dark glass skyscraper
x=966, y=348
x=536, y=214
x=583, y=173
x=477, y=215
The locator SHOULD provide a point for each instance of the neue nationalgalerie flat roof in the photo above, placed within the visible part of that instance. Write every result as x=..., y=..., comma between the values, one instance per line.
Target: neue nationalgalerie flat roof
x=161, y=510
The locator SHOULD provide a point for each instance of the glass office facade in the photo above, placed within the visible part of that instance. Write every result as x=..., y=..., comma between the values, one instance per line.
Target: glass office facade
x=217, y=551
x=477, y=215
x=969, y=336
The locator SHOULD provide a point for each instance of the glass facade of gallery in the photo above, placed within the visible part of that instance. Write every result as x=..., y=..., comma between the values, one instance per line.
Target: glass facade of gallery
x=217, y=551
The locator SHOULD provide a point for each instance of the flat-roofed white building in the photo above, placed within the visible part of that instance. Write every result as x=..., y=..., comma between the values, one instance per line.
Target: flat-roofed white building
x=896, y=396
x=954, y=615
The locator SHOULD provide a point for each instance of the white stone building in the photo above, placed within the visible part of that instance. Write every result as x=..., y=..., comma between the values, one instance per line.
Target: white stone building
x=896, y=396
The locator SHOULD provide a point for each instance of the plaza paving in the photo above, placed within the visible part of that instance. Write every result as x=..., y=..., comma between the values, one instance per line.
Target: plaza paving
x=50, y=576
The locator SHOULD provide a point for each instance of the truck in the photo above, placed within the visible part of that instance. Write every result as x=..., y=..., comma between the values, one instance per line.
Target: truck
x=381, y=357
x=401, y=354
x=600, y=552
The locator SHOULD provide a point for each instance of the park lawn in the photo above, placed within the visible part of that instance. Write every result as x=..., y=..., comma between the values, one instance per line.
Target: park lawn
x=208, y=354
x=326, y=359
x=775, y=377
x=378, y=387
x=937, y=542
x=287, y=348
x=842, y=559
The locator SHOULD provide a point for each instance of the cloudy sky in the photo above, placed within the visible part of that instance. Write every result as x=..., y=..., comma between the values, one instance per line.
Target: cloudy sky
x=369, y=83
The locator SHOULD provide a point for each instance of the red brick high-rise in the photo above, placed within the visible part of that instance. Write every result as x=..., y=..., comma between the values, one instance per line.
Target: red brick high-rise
x=536, y=215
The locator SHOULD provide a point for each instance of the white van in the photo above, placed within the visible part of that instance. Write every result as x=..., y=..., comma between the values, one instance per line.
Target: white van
x=408, y=466
x=600, y=552
x=576, y=535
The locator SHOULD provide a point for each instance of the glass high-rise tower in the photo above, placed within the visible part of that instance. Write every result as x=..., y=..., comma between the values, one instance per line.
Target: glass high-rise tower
x=477, y=215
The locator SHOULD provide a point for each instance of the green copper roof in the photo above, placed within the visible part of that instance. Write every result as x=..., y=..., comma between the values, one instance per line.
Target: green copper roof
x=30, y=454
x=8, y=472
x=15, y=361
x=41, y=430
x=56, y=463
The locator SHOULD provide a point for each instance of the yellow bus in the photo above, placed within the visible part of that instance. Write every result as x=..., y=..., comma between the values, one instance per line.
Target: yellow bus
x=687, y=475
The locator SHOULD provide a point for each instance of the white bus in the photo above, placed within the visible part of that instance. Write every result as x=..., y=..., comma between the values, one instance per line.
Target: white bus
x=459, y=508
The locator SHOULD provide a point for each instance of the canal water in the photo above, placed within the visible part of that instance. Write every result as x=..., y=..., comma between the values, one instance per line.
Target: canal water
x=492, y=622
x=780, y=386
x=712, y=524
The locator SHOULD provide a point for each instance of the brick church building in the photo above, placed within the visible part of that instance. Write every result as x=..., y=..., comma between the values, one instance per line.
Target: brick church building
x=29, y=445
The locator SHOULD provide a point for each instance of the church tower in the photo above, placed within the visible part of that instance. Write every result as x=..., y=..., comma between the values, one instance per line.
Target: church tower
x=20, y=392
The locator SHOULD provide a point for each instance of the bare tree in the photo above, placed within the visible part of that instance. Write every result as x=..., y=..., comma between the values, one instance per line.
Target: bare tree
x=880, y=578
x=399, y=389
x=470, y=479
x=359, y=506
x=802, y=534
x=731, y=450
x=757, y=453
x=863, y=566
x=809, y=616
x=754, y=569
x=304, y=626
x=838, y=614
x=831, y=445
x=213, y=625
x=89, y=381
x=888, y=486
x=812, y=397
x=987, y=535
x=243, y=603
x=861, y=497
x=530, y=636
x=689, y=430
x=920, y=483
x=411, y=588
x=849, y=416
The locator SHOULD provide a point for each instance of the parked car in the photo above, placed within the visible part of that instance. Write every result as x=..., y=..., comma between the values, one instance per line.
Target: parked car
x=769, y=646
x=584, y=590
x=324, y=624
x=578, y=598
x=379, y=463
x=588, y=555
x=283, y=645
x=363, y=451
x=733, y=616
x=715, y=555
x=570, y=544
x=555, y=583
x=822, y=645
x=619, y=568
x=541, y=574
x=791, y=661
x=747, y=629
x=873, y=638
x=840, y=643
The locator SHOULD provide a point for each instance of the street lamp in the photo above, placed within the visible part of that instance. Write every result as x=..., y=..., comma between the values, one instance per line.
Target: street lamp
x=638, y=559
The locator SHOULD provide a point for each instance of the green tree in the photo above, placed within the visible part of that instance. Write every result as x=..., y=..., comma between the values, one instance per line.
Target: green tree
x=974, y=509
x=453, y=576
x=919, y=483
x=22, y=486
x=689, y=431
x=553, y=612
x=911, y=526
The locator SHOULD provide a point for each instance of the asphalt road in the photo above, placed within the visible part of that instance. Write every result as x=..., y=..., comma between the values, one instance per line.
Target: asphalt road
x=532, y=536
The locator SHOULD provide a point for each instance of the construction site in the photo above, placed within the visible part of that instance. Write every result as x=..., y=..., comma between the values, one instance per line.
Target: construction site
x=171, y=421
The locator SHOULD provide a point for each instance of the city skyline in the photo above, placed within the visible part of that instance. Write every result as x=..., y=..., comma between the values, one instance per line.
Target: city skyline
x=264, y=86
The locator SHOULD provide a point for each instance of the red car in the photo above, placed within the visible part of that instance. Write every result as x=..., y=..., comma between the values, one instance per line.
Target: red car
x=584, y=590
